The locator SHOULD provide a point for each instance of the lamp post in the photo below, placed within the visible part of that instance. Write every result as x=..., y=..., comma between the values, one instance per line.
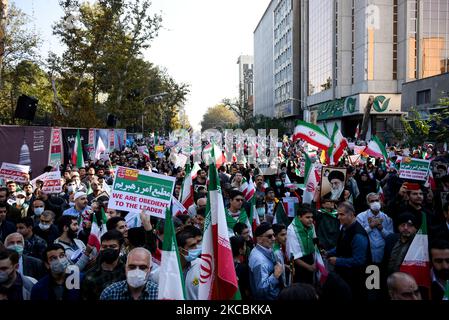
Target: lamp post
x=155, y=98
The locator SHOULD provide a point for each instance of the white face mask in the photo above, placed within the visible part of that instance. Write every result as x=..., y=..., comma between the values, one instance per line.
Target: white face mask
x=20, y=201
x=136, y=278
x=375, y=206
x=71, y=189
x=44, y=226
x=38, y=211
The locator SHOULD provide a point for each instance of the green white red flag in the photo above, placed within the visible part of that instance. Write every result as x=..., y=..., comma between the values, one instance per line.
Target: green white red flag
x=218, y=280
x=313, y=134
x=340, y=144
x=311, y=180
x=187, y=189
x=416, y=261
x=376, y=149
x=171, y=278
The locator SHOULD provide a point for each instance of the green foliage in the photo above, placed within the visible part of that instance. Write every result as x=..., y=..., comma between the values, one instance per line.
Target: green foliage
x=218, y=117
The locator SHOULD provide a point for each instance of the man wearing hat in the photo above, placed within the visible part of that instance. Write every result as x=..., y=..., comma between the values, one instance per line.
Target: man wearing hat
x=415, y=204
x=265, y=271
x=80, y=206
x=337, y=181
x=397, y=244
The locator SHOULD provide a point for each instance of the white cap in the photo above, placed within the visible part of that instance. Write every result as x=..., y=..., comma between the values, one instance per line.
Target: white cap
x=79, y=195
x=20, y=193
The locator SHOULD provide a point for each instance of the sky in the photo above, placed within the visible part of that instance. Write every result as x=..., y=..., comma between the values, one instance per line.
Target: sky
x=199, y=44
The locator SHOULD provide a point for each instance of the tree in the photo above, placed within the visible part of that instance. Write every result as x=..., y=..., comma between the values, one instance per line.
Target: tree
x=17, y=42
x=435, y=127
x=218, y=116
x=239, y=106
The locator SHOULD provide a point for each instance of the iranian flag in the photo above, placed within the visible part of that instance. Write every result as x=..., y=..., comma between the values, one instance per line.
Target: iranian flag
x=194, y=171
x=311, y=179
x=340, y=144
x=187, y=189
x=247, y=189
x=312, y=134
x=100, y=149
x=143, y=150
x=177, y=207
x=376, y=149
x=253, y=216
x=416, y=261
x=77, y=154
x=97, y=231
x=218, y=280
x=321, y=272
x=216, y=156
x=171, y=278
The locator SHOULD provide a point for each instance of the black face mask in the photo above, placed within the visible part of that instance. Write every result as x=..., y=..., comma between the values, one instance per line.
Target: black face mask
x=442, y=274
x=109, y=255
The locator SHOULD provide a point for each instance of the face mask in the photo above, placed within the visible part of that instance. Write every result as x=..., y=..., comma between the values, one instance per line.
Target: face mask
x=44, y=226
x=38, y=211
x=20, y=201
x=59, y=266
x=71, y=204
x=287, y=194
x=375, y=206
x=261, y=212
x=4, y=276
x=136, y=278
x=193, y=254
x=278, y=183
x=109, y=255
x=71, y=189
x=17, y=248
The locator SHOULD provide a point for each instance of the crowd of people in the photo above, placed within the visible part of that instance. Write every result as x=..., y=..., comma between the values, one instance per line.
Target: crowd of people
x=45, y=239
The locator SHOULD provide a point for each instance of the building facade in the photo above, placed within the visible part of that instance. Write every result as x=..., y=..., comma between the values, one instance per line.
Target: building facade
x=277, y=70
x=357, y=50
x=246, y=82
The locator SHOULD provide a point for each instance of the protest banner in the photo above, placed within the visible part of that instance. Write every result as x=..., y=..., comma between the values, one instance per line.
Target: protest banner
x=136, y=190
x=414, y=169
x=14, y=172
x=55, y=150
x=52, y=182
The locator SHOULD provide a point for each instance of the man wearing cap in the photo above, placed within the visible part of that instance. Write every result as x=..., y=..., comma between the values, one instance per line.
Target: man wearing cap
x=397, y=244
x=79, y=185
x=265, y=272
x=337, y=181
x=80, y=206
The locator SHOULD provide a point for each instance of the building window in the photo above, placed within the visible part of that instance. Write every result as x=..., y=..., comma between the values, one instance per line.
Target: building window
x=412, y=51
x=434, y=37
x=321, y=50
x=352, y=41
x=423, y=97
x=395, y=39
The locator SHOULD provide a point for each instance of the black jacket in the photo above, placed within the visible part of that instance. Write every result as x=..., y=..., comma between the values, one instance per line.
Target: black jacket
x=33, y=267
x=6, y=228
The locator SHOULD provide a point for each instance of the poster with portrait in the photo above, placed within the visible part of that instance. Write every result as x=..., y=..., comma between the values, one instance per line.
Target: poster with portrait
x=333, y=180
x=439, y=169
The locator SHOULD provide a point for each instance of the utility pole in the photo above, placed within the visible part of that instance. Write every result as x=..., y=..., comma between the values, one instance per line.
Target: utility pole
x=3, y=15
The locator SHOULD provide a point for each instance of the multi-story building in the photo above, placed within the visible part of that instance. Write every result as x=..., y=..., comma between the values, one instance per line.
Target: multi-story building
x=277, y=61
x=246, y=82
x=356, y=50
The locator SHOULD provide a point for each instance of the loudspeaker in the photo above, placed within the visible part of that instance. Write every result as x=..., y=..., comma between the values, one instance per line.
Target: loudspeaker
x=112, y=121
x=26, y=107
